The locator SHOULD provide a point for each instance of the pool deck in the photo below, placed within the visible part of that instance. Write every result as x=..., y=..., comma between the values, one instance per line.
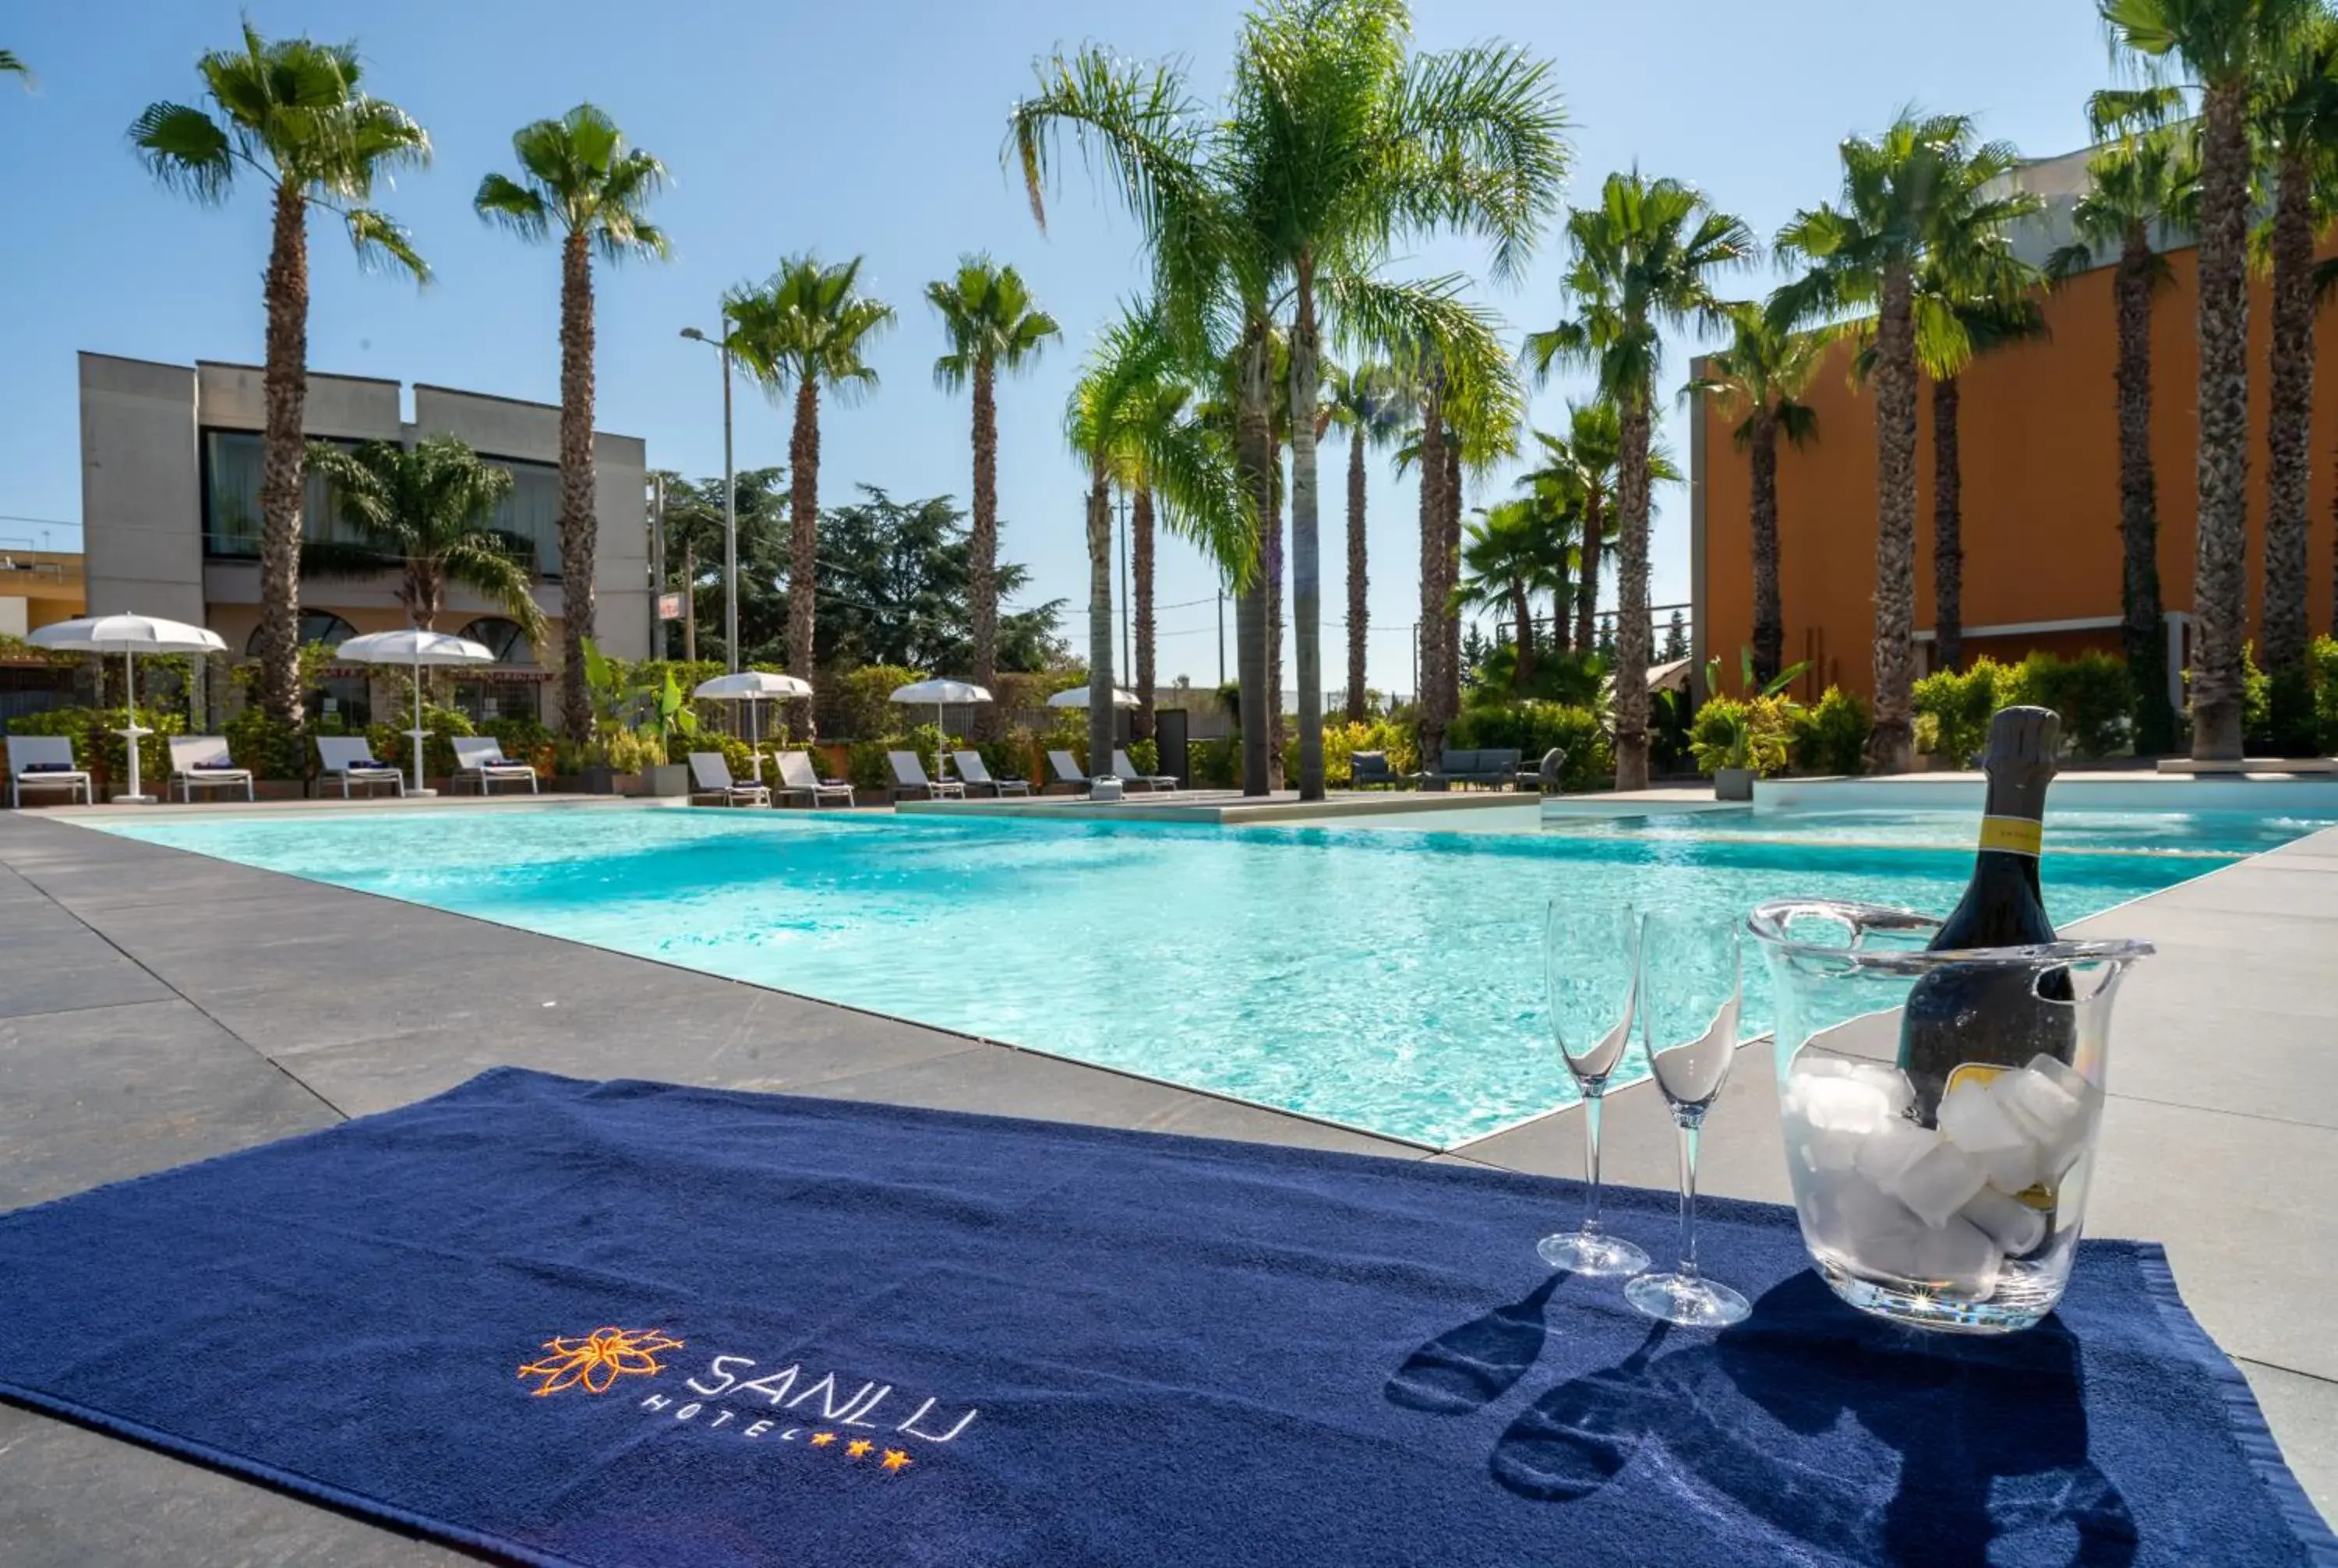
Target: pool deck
x=158, y=1007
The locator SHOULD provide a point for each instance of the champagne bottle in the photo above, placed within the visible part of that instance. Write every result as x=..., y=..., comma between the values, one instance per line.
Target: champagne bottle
x=1989, y=1015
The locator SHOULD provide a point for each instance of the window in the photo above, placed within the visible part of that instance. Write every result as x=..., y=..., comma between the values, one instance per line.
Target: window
x=502, y=637
x=532, y=511
x=484, y=701
x=316, y=626
x=232, y=468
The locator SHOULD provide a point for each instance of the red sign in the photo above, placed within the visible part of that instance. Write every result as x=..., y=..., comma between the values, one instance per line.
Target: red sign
x=669, y=606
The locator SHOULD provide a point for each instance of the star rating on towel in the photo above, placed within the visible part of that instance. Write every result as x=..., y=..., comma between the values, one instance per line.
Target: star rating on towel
x=895, y=1460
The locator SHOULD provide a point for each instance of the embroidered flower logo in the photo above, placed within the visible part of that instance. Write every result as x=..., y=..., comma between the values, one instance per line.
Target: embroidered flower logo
x=599, y=1359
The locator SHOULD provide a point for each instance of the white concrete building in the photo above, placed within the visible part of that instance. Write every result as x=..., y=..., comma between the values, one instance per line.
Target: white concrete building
x=171, y=460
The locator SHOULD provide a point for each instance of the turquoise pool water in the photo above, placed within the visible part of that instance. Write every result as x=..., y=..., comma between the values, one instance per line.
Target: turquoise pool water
x=1384, y=978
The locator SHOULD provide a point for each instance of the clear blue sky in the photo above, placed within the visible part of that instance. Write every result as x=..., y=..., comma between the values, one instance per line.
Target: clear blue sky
x=875, y=128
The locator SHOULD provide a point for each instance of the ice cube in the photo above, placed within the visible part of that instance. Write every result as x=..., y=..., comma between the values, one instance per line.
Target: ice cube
x=2055, y=1120
x=2071, y=1082
x=1939, y=1181
x=2012, y=1224
x=1814, y=1066
x=1837, y=1104
x=1856, y=1221
x=1891, y=1148
x=1958, y=1261
x=1972, y=1119
x=1824, y=1148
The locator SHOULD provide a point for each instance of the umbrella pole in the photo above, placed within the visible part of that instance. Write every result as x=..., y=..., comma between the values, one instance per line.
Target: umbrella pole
x=941, y=739
x=130, y=730
x=417, y=716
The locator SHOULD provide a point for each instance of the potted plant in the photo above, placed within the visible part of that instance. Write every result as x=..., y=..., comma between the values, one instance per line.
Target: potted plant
x=665, y=714
x=1737, y=742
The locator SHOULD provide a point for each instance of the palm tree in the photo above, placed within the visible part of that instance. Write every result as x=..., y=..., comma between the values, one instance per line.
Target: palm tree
x=992, y=323
x=292, y=114
x=2139, y=189
x=426, y=513
x=2298, y=126
x=1336, y=142
x=1586, y=456
x=1155, y=422
x=10, y=66
x=2231, y=50
x=1759, y=381
x=1369, y=403
x=805, y=329
x=1512, y=552
x=580, y=181
x=1123, y=420
x=1641, y=260
x=1908, y=196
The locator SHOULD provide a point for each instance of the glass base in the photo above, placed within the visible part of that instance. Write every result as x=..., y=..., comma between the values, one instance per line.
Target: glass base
x=1593, y=1254
x=1687, y=1299
x=2017, y=1304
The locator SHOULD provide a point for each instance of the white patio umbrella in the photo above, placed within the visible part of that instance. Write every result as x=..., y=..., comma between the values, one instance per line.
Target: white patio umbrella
x=128, y=635
x=1078, y=697
x=416, y=647
x=919, y=693
x=751, y=686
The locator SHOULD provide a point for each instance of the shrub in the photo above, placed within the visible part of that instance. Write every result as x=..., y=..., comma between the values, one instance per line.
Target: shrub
x=1960, y=704
x=1145, y=756
x=2092, y=692
x=440, y=727
x=270, y=747
x=1216, y=764
x=1012, y=755
x=865, y=765
x=523, y=740
x=1533, y=728
x=737, y=755
x=100, y=749
x=1734, y=732
x=1832, y=738
x=860, y=703
x=2321, y=663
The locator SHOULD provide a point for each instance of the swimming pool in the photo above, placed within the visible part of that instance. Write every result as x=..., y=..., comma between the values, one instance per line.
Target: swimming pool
x=1388, y=979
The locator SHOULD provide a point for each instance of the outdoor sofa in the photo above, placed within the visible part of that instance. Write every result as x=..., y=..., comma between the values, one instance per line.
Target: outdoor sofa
x=1370, y=770
x=1496, y=767
x=201, y=761
x=46, y=762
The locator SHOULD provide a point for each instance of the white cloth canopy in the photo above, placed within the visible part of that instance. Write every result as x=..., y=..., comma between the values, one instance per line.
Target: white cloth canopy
x=938, y=692
x=416, y=647
x=128, y=635
x=1078, y=697
x=751, y=686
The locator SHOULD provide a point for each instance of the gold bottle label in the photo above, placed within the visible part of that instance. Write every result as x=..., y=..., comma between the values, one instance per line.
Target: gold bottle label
x=2012, y=835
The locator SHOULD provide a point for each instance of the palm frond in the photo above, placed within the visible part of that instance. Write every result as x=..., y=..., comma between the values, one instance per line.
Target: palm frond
x=186, y=150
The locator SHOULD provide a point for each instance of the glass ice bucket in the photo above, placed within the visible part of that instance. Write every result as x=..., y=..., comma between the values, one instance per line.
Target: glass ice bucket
x=1940, y=1182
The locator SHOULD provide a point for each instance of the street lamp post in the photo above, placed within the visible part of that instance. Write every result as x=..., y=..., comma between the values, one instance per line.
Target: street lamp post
x=730, y=507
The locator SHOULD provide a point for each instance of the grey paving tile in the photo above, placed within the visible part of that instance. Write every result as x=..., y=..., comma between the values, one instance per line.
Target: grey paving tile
x=58, y=965
x=2303, y=1414
x=1004, y=1081
x=108, y=1093
x=71, y=1497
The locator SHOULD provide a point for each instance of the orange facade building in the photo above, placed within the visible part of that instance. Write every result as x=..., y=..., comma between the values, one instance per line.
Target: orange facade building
x=2038, y=441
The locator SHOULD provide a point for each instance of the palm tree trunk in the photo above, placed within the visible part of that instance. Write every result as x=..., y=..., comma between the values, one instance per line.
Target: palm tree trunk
x=1100, y=680
x=1586, y=591
x=982, y=547
x=2289, y=460
x=1254, y=444
x=2219, y=586
x=577, y=526
x=284, y=458
x=1522, y=619
x=1274, y=620
x=1306, y=561
x=1769, y=614
x=803, y=550
x=1140, y=549
x=2143, y=628
x=426, y=590
x=1632, y=598
x=1359, y=603
x=1435, y=608
x=1948, y=529
x=1891, y=744
x=1449, y=569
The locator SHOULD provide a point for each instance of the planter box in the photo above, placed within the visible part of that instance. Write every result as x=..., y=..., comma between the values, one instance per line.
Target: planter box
x=1733, y=784
x=268, y=790
x=665, y=779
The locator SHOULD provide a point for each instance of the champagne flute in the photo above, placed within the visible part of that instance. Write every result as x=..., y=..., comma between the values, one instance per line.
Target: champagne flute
x=1590, y=966
x=1689, y=1004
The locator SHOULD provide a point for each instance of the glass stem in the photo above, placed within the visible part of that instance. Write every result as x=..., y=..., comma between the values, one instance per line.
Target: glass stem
x=1592, y=1099
x=1688, y=1136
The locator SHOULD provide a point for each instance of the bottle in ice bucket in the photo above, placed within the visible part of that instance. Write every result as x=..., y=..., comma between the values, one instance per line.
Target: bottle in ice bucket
x=1965, y=1027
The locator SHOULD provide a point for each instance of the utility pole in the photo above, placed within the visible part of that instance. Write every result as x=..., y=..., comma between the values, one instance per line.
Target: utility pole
x=690, y=599
x=657, y=564
x=729, y=501
x=1221, y=634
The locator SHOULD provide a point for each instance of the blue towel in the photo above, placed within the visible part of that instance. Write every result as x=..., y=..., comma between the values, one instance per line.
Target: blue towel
x=632, y=1324
x=47, y=767
x=220, y=764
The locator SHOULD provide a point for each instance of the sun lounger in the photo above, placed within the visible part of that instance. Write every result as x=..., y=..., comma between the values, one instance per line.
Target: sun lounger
x=710, y=771
x=481, y=760
x=351, y=759
x=797, y=778
x=909, y=773
x=202, y=762
x=1065, y=773
x=976, y=772
x=1125, y=771
x=45, y=762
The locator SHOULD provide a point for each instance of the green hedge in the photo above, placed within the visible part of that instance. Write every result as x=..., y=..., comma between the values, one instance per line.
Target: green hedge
x=1832, y=738
x=100, y=751
x=2092, y=692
